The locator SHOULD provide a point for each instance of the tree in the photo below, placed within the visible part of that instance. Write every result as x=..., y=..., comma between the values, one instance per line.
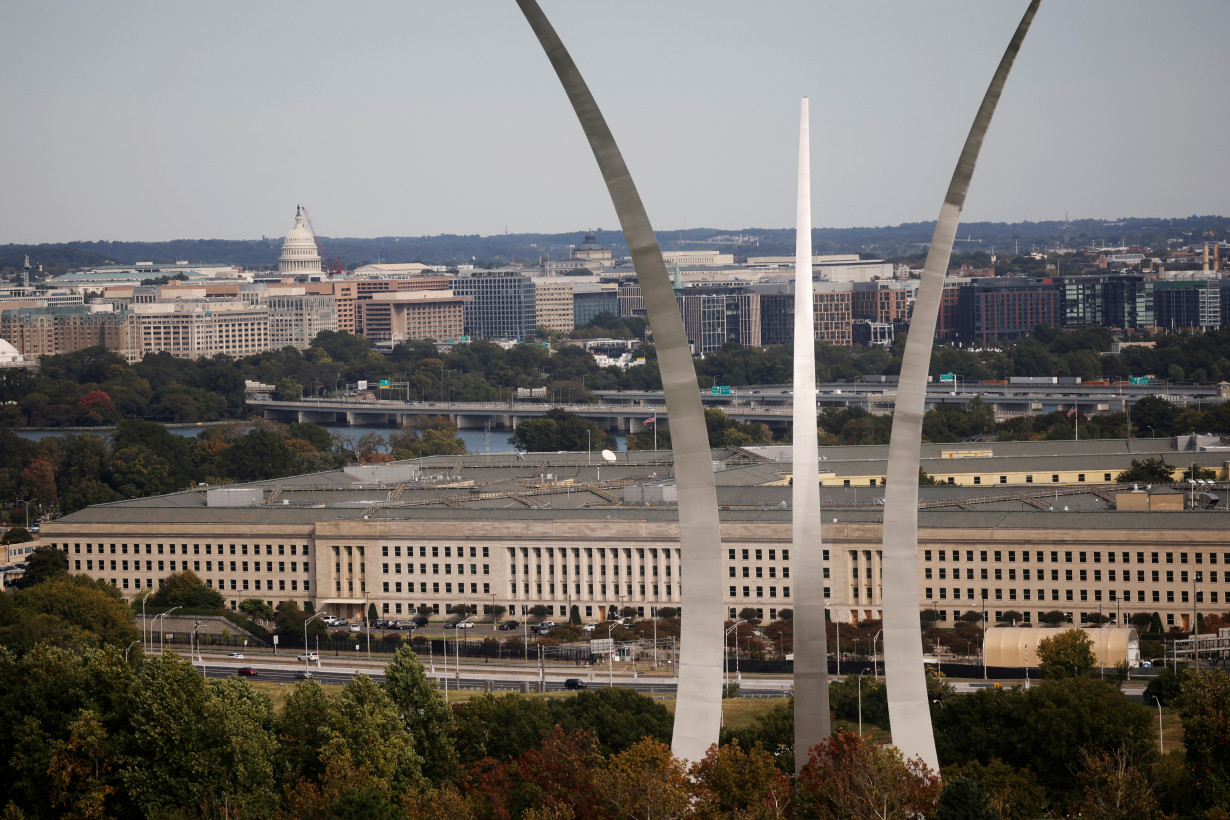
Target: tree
x=1206, y=734
x=644, y=780
x=1011, y=618
x=1147, y=471
x=574, y=615
x=497, y=612
x=750, y=615
x=68, y=611
x=428, y=719
x=44, y=562
x=371, y=613
x=186, y=589
x=1066, y=655
x=963, y=799
x=288, y=618
x=462, y=611
x=1012, y=791
x=17, y=535
x=847, y=777
x=39, y=480
x=287, y=390
x=737, y=783
x=540, y=612
x=256, y=608
x=1114, y=789
x=617, y=718
x=1052, y=617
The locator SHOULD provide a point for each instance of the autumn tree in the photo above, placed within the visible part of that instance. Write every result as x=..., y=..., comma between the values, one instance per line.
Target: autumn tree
x=733, y=782
x=1114, y=789
x=848, y=777
x=1066, y=655
x=44, y=562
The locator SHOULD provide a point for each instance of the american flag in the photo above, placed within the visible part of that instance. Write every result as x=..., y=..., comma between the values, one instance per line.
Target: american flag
x=1072, y=412
x=653, y=420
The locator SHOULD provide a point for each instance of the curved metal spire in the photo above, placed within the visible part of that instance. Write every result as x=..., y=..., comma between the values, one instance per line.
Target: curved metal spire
x=812, y=724
x=908, y=706
x=698, y=710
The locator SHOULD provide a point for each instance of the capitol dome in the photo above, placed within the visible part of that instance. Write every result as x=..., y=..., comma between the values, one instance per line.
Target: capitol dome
x=299, y=254
x=9, y=356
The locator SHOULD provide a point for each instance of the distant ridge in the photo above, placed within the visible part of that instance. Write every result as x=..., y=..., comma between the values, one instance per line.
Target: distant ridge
x=452, y=249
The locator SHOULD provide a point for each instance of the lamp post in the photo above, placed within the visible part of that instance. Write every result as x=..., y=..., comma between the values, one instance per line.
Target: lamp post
x=493, y=608
x=144, y=623
x=195, y=653
x=875, y=658
x=456, y=651
x=1161, y=747
x=611, y=658
x=130, y=646
x=861, y=672
x=164, y=626
x=733, y=627
x=306, y=653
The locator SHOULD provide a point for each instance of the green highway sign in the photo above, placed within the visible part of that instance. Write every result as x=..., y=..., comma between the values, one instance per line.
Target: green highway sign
x=384, y=382
x=948, y=377
x=721, y=390
x=1138, y=379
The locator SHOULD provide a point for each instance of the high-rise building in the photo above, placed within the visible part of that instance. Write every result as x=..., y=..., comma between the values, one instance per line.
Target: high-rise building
x=1188, y=304
x=502, y=303
x=1115, y=301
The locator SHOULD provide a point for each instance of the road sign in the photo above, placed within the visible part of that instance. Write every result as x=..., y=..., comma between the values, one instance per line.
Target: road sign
x=384, y=382
x=1138, y=379
x=601, y=646
x=948, y=377
x=721, y=390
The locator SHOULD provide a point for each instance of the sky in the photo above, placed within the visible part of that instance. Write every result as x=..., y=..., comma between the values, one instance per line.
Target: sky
x=135, y=120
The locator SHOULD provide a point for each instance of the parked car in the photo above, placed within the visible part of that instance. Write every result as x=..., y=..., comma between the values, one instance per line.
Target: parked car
x=238, y=656
x=303, y=674
x=356, y=627
x=404, y=625
x=246, y=671
x=420, y=621
x=588, y=628
x=465, y=625
x=309, y=656
x=508, y=626
x=574, y=683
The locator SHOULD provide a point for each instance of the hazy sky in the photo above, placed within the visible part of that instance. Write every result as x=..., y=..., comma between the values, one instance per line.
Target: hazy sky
x=162, y=120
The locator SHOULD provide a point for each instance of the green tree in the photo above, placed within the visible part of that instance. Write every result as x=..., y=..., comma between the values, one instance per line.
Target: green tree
x=287, y=390
x=428, y=719
x=256, y=608
x=1114, y=789
x=618, y=718
x=1206, y=734
x=1066, y=655
x=43, y=563
x=68, y=611
x=963, y=799
x=186, y=589
x=1012, y=791
x=540, y=612
x=1147, y=471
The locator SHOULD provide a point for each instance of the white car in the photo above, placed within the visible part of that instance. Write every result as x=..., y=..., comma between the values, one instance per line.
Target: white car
x=309, y=656
x=356, y=628
x=238, y=656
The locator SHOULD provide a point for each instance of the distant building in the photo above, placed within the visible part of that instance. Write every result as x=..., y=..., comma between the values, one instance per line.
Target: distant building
x=397, y=316
x=50, y=331
x=1114, y=301
x=590, y=299
x=1188, y=304
x=502, y=303
x=990, y=311
x=300, y=257
x=713, y=318
x=553, y=304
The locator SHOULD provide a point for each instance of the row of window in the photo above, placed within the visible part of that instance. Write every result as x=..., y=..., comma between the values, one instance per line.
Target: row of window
x=196, y=566
x=746, y=553
x=549, y=589
x=435, y=569
x=182, y=549
x=435, y=551
x=760, y=592
x=1081, y=557
x=1074, y=575
x=773, y=572
x=241, y=585
x=525, y=569
x=1068, y=595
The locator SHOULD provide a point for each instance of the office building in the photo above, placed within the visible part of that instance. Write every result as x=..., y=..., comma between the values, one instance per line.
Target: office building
x=501, y=303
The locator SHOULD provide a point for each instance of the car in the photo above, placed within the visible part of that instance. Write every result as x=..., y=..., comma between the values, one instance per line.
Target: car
x=465, y=625
x=508, y=626
x=420, y=621
x=309, y=656
x=356, y=628
x=588, y=627
x=246, y=671
x=238, y=656
x=575, y=683
x=303, y=674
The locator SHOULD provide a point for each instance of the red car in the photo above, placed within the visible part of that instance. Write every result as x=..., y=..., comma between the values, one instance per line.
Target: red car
x=246, y=671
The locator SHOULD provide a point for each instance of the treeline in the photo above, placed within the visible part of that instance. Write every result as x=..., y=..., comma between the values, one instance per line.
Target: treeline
x=142, y=458
x=450, y=249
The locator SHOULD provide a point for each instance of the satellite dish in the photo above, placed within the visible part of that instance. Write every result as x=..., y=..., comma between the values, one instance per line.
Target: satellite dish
x=607, y=455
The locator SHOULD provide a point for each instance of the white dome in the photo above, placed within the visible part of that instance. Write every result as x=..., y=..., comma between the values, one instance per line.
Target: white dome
x=299, y=254
x=9, y=354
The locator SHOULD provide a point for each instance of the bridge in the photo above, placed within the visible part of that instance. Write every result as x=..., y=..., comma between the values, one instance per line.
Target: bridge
x=634, y=411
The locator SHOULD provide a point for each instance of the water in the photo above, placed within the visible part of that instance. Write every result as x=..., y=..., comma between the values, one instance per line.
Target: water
x=476, y=441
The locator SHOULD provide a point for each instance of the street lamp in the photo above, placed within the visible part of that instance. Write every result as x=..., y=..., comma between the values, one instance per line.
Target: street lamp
x=875, y=658
x=306, y=653
x=130, y=646
x=144, y=623
x=861, y=672
x=732, y=628
x=164, y=626
x=1161, y=747
x=611, y=659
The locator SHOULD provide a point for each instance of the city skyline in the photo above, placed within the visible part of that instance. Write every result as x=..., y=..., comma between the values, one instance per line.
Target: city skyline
x=185, y=123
